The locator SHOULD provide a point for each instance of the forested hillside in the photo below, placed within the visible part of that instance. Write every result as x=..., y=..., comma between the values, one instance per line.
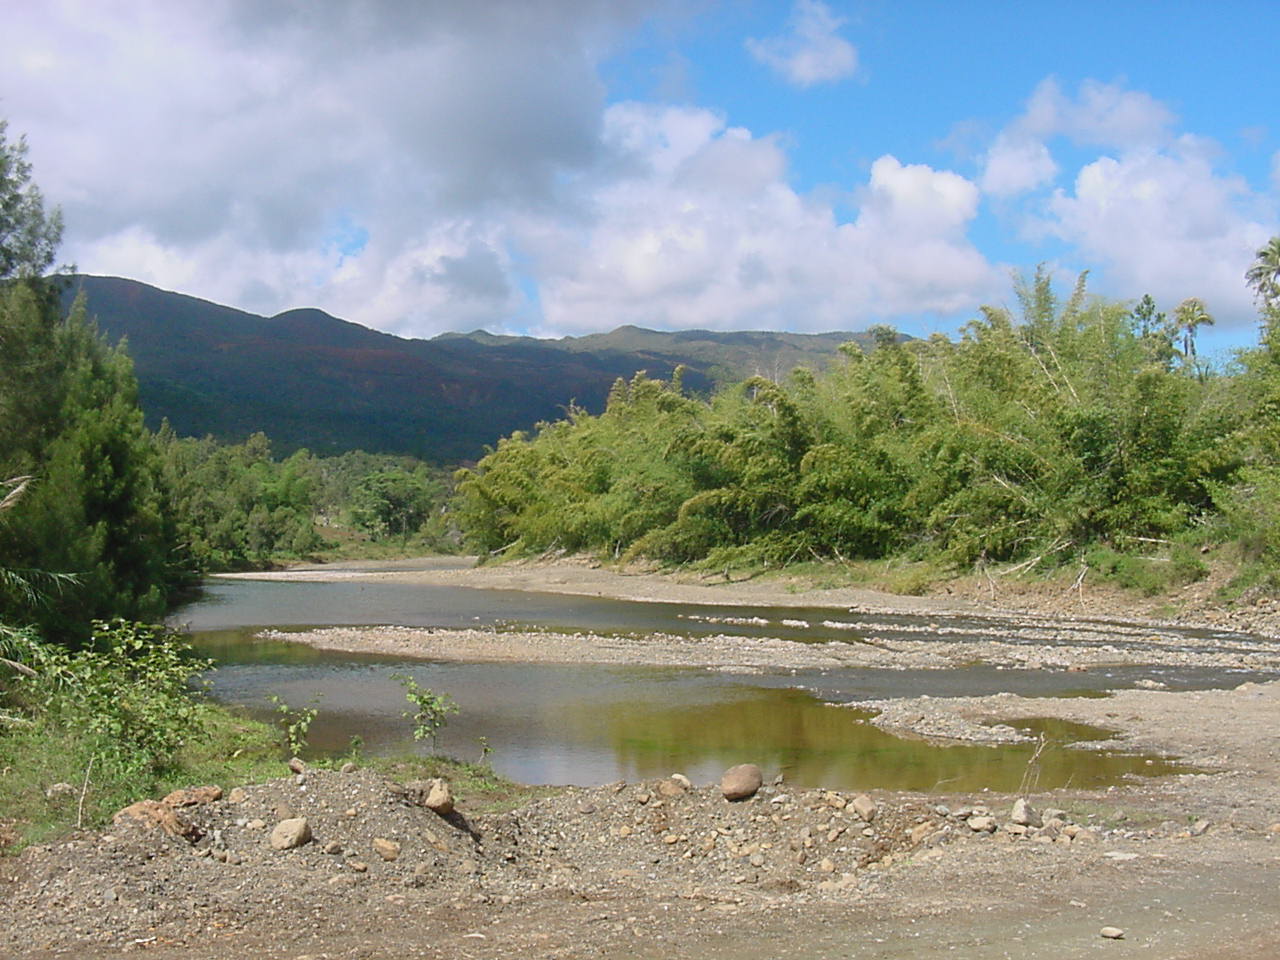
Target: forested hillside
x=307, y=379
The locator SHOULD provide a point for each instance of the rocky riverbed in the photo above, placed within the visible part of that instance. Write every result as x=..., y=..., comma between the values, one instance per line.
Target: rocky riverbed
x=1171, y=867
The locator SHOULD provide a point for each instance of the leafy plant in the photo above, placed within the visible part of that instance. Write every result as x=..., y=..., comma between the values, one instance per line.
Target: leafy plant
x=296, y=723
x=431, y=710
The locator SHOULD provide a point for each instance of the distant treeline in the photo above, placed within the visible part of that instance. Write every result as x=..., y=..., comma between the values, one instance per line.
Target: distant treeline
x=1072, y=430
x=103, y=518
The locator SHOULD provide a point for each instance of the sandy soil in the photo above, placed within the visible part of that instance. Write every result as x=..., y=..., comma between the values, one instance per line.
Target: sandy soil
x=1183, y=865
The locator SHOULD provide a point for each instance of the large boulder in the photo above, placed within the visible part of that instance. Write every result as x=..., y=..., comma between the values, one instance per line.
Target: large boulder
x=741, y=782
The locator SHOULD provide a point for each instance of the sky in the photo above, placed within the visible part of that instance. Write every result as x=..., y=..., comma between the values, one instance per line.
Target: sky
x=560, y=167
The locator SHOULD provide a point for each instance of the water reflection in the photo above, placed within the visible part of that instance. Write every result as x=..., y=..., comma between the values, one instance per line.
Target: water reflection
x=586, y=724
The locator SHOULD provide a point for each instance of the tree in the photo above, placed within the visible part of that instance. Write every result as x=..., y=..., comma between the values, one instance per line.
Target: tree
x=69, y=419
x=1190, y=315
x=29, y=236
x=1264, y=275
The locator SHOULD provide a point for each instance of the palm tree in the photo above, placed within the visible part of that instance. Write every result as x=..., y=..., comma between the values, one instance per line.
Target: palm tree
x=1190, y=314
x=1264, y=275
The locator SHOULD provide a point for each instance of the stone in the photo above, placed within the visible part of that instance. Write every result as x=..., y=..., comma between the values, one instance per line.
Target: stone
x=741, y=782
x=1024, y=814
x=154, y=815
x=684, y=781
x=193, y=796
x=864, y=807
x=983, y=824
x=290, y=833
x=386, y=849
x=1053, y=813
x=1274, y=830
x=439, y=798
x=671, y=787
x=237, y=795
x=333, y=847
x=826, y=865
x=921, y=832
x=256, y=824
x=358, y=866
x=296, y=765
x=835, y=800
x=1200, y=827
x=349, y=767
x=1111, y=933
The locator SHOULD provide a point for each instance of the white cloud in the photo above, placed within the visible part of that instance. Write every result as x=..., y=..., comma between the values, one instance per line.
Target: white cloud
x=811, y=51
x=1015, y=165
x=1164, y=222
x=215, y=147
x=704, y=231
x=1152, y=214
x=1102, y=114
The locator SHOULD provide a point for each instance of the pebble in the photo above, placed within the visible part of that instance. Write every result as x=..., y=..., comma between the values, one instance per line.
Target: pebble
x=865, y=807
x=386, y=849
x=296, y=765
x=1111, y=933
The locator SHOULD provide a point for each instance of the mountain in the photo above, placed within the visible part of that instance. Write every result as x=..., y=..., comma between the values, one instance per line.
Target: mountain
x=308, y=379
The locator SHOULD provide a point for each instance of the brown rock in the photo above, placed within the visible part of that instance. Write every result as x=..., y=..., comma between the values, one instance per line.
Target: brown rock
x=296, y=765
x=671, y=787
x=154, y=815
x=291, y=833
x=741, y=782
x=386, y=849
x=193, y=796
x=439, y=798
x=237, y=795
x=864, y=807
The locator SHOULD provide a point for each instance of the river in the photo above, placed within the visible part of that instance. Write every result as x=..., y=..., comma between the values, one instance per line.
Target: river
x=592, y=724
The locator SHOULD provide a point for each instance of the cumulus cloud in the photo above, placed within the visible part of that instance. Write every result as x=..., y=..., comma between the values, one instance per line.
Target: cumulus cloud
x=1016, y=164
x=704, y=231
x=216, y=146
x=1164, y=222
x=811, y=51
x=1150, y=214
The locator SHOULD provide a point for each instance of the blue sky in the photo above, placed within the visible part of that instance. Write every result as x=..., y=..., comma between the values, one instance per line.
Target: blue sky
x=564, y=166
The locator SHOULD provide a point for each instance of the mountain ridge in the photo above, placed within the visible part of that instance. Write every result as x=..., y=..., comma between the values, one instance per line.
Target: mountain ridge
x=309, y=379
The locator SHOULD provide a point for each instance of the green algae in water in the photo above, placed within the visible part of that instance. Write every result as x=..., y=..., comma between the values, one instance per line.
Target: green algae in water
x=816, y=744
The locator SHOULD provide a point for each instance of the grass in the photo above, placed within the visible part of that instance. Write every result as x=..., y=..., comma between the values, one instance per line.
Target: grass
x=234, y=750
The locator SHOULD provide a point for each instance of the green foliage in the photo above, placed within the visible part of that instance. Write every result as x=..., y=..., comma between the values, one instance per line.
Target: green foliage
x=393, y=503
x=130, y=687
x=431, y=710
x=95, y=507
x=296, y=723
x=1033, y=437
x=29, y=236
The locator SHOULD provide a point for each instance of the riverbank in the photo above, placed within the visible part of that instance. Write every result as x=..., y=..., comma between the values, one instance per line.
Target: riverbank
x=1195, y=605
x=1180, y=865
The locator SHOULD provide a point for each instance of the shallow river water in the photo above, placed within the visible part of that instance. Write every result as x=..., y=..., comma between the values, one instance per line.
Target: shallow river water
x=591, y=724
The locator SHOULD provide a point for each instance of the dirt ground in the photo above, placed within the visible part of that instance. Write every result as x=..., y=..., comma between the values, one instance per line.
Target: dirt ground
x=1181, y=865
